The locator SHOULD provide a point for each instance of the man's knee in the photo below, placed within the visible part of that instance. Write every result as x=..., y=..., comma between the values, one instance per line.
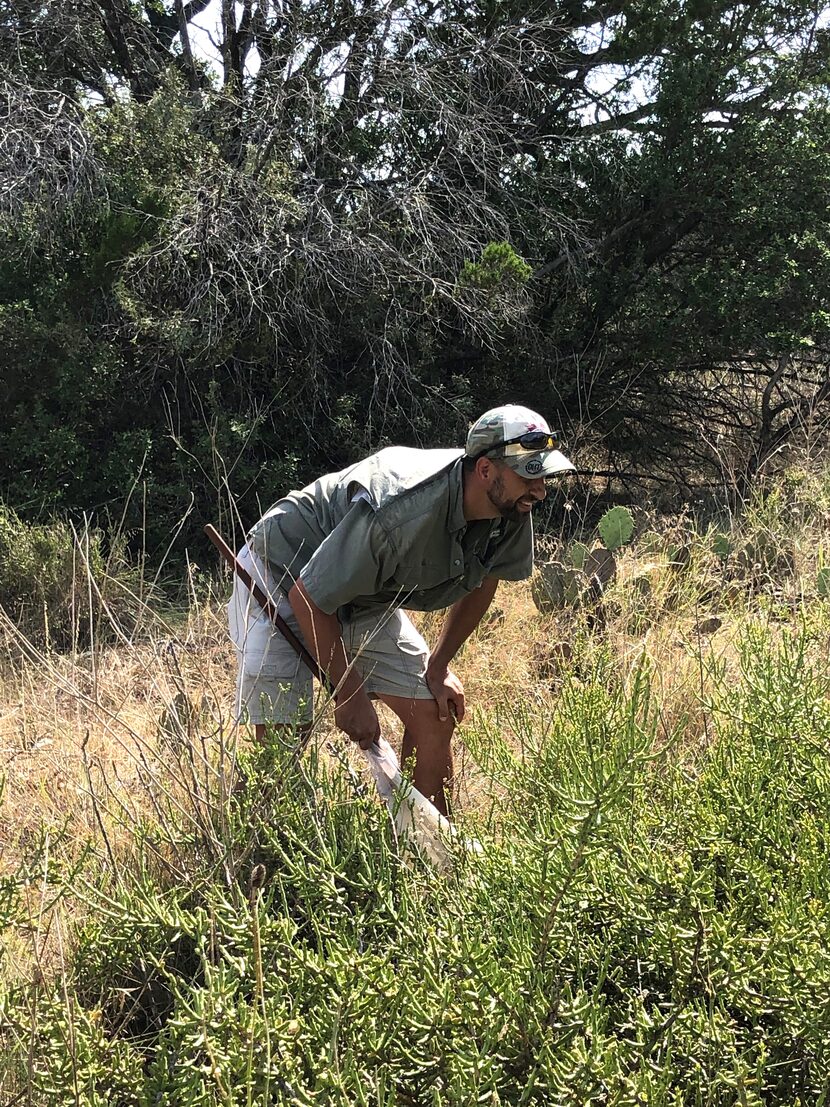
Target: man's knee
x=423, y=723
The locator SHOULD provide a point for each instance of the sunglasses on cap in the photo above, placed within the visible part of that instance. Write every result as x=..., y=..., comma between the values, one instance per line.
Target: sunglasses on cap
x=530, y=440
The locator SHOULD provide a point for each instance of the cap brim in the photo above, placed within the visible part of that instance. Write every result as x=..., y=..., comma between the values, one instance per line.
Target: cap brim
x=546, y=463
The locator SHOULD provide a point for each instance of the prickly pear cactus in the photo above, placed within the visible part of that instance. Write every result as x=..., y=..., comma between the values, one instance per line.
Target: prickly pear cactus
x=584, y=574
x=616, y=527
x=555, y=586
x=601, y=566
x=578, y=552
x=650, y=542
x=680, y=557
x=766, y=553
x=721, y=546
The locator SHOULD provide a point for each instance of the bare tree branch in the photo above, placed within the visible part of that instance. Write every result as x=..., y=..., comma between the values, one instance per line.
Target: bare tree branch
x=47, y=160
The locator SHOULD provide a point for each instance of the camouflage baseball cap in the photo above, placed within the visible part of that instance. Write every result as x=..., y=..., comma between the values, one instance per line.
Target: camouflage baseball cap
x=520, y=438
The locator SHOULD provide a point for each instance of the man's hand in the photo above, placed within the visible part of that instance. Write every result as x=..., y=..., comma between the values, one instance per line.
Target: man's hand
x=448, y=692
x=356, y=716
x=463, y=618
x=354, y=712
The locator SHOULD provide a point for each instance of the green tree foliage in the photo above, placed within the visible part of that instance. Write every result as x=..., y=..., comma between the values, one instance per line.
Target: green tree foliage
x=364, y=222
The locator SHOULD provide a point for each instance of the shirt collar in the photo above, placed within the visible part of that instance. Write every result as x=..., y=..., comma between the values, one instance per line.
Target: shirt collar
x=455, y=508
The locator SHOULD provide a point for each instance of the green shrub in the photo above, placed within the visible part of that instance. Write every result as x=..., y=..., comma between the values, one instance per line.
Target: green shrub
x=59, y=586
x=634, y=932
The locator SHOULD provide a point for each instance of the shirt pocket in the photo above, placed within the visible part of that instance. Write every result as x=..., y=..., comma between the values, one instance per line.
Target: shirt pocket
x=426, y=574
x=475, y=570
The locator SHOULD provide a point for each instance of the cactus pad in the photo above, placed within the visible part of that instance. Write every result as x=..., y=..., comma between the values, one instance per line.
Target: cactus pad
x=616, y=527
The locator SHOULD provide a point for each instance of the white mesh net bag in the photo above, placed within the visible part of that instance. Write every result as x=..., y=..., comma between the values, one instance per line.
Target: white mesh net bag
x=416, y=819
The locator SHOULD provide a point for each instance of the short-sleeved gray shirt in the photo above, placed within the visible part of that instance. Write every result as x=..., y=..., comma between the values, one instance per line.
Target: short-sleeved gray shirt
x=403, y=543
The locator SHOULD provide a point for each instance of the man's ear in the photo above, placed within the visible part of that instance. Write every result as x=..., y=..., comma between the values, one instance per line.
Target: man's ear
x=485, y=468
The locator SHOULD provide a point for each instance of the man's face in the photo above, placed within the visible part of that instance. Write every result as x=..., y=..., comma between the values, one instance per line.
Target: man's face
x=514, y=496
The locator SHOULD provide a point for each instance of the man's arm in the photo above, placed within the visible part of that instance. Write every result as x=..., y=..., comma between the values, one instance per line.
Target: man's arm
x=354, y=713
x=462, y=619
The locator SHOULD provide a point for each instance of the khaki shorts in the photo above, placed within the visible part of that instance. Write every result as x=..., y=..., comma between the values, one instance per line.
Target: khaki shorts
x=274, y=685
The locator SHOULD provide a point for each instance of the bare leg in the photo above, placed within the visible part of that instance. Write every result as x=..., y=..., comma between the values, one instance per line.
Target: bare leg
x=427, y=738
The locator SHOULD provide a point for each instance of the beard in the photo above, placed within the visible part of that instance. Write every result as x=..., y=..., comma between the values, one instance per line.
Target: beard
x=507, y=508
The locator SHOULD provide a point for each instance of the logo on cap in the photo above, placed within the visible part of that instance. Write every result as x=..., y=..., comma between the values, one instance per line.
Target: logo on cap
x=533, y=466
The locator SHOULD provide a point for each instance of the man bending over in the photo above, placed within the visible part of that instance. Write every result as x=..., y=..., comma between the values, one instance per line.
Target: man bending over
x=404, y=528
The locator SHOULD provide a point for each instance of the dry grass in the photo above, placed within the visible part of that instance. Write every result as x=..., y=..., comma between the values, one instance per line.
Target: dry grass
x=99, y=722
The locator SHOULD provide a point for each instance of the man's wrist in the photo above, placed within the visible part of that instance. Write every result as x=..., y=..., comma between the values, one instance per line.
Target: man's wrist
x=437, y=667
x=350, y=685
